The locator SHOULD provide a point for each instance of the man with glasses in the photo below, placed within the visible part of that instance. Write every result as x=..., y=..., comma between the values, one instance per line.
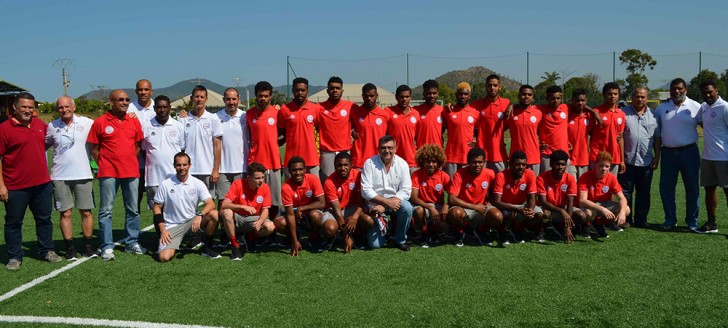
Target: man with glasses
x=115, y=139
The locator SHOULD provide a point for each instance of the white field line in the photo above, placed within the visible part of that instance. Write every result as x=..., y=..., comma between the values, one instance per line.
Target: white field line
x=95, y=322
x=52, y=274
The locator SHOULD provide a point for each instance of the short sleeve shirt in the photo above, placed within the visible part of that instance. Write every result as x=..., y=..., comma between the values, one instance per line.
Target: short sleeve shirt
x=429, y=131
x=556, y=191
x=639, y=136
x=117, y=140
x=303, y=194
x=70, y=155
x=180, y=199
x=160, y=144
x=523, y=125
x=241, y=194
x=263, y=127
x=370, y=126
x=715, y=130
x=199, y=144
x=604, y=137
x=678, y=124
x=553, y=128
x=403, y=127
x=490, y=127
x=234, y=150
x=471, y=189
x=460, y=125
x=23, y=154
x=300, y=123
x=599, y=190
x=579, y=128
x=515, y=192
x=431, y=188
x=334, y=126
x=346, y=191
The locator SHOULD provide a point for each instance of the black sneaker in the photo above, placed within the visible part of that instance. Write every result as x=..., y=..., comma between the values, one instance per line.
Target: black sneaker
x=614, y=226
x=402, y=247
x=237, y=255
x=460, y=239
x=517, y=237
x=708, y=227
x=194, y=243
x=424, y=240
x=540, y=236
x=71, y=254
x=250, y=244
x=330, y=244
x=585, y=232
x=503, y=238
x=601, y=233
x=88, y=251
x=210, y=253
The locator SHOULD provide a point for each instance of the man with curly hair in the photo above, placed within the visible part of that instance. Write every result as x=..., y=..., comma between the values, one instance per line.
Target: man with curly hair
x=428, y=193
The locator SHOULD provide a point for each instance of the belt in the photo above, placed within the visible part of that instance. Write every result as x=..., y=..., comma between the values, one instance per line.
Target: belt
x=681, y=147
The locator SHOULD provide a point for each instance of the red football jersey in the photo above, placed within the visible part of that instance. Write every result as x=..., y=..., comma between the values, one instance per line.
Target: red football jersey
x=469, y=188
x=556, y=191
x=599, y=190
x=370, y=126
x=553, y=129
x=303, y=194
x=579, y=130
x=346, y=191
x=241, y=194
x=460, y=125
x=604, y=137
x=490, y=128
x=524, y=132
x=300, y=122
x=515, y=192
x=402, y=127
x=429, y=130
x=431, y=189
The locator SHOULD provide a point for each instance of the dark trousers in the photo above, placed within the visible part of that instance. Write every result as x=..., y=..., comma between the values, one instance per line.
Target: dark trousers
x=40, y=200
x=637, y=181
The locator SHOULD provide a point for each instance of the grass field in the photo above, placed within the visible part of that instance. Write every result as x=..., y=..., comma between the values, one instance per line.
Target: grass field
x=640, y=277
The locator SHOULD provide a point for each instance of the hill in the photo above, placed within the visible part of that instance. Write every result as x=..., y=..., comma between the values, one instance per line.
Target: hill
x=472, y=75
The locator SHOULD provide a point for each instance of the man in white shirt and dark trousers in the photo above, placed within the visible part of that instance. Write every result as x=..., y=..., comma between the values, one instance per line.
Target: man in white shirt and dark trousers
x=386, y=185
x=176, y=214
x=714, y=164
x=143, y=110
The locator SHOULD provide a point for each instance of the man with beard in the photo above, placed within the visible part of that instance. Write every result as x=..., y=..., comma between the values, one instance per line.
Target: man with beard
x=491, y=122
x=345, y=203
x=430, y=130
x=368, y=124
x=299, y=118
x=334, y=126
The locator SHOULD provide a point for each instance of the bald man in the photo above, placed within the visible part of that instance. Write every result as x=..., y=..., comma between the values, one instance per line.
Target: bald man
x=143, y=110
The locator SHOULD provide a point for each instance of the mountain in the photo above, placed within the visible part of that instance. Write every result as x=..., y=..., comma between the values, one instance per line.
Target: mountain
x=472, y=75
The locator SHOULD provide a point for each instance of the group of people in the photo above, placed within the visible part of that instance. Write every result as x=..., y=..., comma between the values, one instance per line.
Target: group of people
x=373, y=175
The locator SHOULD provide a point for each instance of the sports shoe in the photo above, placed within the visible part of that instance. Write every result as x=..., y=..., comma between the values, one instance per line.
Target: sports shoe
x=250, y=244
x=503, y=238
x=600, y=231
x=557, y=230
x=517, y=236
x=626, y=225
x=108, y=255
x=237, y=255
x=330, y=244
x=540, y=236
x=135, y=249
x=460, y=241
x=52, y=257
x=88, y=251
x=194, y=243
x=708, y=227
x=13, y=265
x=71, y=254
x=614, y=226
x=402, y=247
x=211, y=253
x=585, y=233
x=667, y=226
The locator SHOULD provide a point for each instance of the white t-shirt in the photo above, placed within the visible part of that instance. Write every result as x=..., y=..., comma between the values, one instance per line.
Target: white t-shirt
x=199, y=133
x=160, y=144
x=70, y=155
x=715, y=130
x=180, y=199
x=143, y=114
x=234, y=142
x=678, y=125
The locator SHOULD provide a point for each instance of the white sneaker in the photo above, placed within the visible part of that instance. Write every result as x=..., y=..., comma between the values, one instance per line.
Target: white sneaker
x=108, y=255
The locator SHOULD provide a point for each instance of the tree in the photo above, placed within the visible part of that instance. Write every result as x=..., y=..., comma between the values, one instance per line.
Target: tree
x=587, y=82
x=705, y=75
x=636, y=61
x=539, y=92
x=447, y=95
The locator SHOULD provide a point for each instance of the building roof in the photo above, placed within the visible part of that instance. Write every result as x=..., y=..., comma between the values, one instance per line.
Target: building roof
x=352, y=92
x=214, y=99
x=9, y=88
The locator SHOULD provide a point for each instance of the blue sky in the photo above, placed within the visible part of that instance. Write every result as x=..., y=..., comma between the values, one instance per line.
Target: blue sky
x=116, y=43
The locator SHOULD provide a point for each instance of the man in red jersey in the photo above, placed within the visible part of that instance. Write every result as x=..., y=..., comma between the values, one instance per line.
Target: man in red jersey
x=368, y=124
x=468, y=201
x=264, y=149
x=489, y=130
x=429, y=184
x=523, y=125
x=460, y=124
x=552, y=132
x=430, y=129
x=514, y=193
x=597, y=187
x=343, y=195
x=609, y=135
x=334, y=126
x=299, y=118
x=579, y=129
x=402, y=125
x=246, y=208
x=556, y=194
x=304, y=202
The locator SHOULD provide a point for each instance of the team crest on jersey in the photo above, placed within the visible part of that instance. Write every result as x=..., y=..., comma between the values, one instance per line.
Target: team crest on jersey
x=309, y=193
x=80, y=128
x=508, y=186
x=109, y=130
x=413, y=120
x=467, y=185
x=173, y=134
x=515, y=118
x=188, y=125
x=500, y=115
x=259, y=199
x=292, y=117
x=361, y=120
x=343, y=113
x=454, y=116
x=352, y=185
x=326, y=112
x=533, y=119
x=470, y=119
x=395, y=116
x=548, y=188
x=522, y=186
x=154, y=133
x=424, y=183
x=605, y=189
x=438, y=187
x=484, y=185
x=242, y=197
x=271, y=121
x=439, y=119
x=295, y=195
x=571, y=122
x=192, y=191
x=604, y=118
x=255, y=121
x=619, y=120
x=171, y=191
x=309, y=119
x=562, y=115
x=378, y=121
x=422, y=117
x=206, y=126
x=563, y=187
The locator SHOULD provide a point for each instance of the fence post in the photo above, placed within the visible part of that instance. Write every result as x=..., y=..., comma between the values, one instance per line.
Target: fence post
x=288, y=77
x=528, y=58
x=614, y=66
x=408, y=82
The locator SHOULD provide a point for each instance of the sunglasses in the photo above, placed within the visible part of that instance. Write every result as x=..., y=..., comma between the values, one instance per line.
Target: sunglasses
x=122, y=99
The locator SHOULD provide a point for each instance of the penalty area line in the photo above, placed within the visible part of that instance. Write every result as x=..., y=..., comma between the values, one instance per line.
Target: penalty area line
x=50, y=275
x=95, y=322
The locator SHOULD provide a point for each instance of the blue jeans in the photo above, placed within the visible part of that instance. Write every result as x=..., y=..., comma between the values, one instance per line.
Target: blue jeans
x=685, y=161
x=403, y=217
x=40, y=200
x=108, y=188
x=637, y=180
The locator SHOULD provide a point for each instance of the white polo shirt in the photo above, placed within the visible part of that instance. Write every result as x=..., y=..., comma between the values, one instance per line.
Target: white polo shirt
x=715, y=130
x=199, y=133
x=143, y=114
x=180, y=199
x=70, y=156
x=678, y=125
x=234, y=142
x=160, y=144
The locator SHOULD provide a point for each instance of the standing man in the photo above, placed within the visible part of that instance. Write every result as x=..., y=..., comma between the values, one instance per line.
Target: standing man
x=680, y=116
x=115, y=139
x=263, y=129
x=608, y=136
x=386, y=185
x=334, y=126
x=523, y=125
x=368, y=124
x=402, y=125
x=579, y=129
x=299, y=118
x=714, y=165
x=203, y=140
x=640, y=141
x=491, y=122
x=234, y=153
x=460, y=124
x=430, y=130
x=143, y=110
x=71, y=173
x=552, y=132
x=25, y=181
x=176, y=213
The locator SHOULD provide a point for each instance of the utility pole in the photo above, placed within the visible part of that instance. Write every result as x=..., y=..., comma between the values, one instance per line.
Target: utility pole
x=64, y=64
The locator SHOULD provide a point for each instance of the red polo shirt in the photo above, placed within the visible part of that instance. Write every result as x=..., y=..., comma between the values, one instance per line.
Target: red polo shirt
x=431, y=188
x=556, y=191
x=524, y=132
x=370, y=125
x=515, y=192
x=117, y=140
x=460, y=125
x=241, y=194
x=599, y=190
x=263, y=127
x=469, y=188
x=402, y=127
x=299, y=122
x=335, y=126
x=429, y=131
x=604, y=137
x=579, y=129
x=553, y=128
x=303, y=194
x=490, y=127
x=24, y=155
x=346, y=191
